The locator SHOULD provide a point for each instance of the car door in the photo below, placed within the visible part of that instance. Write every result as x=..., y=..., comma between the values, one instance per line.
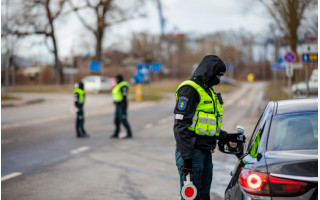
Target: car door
x=253, y=154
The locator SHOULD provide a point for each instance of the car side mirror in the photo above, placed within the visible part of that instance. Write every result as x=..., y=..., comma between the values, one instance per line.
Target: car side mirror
x=233, y=148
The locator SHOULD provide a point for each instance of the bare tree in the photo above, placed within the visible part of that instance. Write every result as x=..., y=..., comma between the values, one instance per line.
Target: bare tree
x=106, y=14
x=37, y=17
x=288, y=15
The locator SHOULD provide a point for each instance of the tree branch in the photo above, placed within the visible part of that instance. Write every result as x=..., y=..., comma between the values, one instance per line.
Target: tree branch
x=80, y=17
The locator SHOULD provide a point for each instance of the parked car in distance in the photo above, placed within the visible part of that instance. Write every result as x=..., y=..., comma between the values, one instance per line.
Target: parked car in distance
x=301, y=88
x=227, y=81
x=97, y=84
x=281, y=160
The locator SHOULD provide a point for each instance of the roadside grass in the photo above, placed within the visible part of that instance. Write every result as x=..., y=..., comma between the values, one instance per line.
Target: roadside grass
x=42, y=89
x=276, y=93
x=158, y=91
x=150, y=92
x=9, y=97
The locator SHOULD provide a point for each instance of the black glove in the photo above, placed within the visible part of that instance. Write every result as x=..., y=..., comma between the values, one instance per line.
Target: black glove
x=187, y=166
x=236, y=137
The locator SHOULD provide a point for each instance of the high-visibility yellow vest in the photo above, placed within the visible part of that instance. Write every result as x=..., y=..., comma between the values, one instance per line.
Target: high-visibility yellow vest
x=116, y=91
x=207, y=119
x=81, y=94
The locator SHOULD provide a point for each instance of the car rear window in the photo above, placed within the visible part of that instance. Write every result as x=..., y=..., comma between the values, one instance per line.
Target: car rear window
x=294, y=132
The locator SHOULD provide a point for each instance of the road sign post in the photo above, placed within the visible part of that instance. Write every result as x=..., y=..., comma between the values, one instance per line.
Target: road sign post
x=289, y=57
x=289, y=73
x=309, y=54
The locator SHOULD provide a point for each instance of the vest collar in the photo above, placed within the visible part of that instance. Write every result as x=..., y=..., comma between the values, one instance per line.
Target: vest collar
x=200, y=83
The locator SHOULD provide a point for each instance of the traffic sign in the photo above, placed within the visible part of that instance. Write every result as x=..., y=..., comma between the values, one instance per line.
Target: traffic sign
x=290, y=57
x=231, y=67
x=143, y=68
x=95, y=66
x=309, y=48
x=310, y=57
x=281, y=64
x=156, y=67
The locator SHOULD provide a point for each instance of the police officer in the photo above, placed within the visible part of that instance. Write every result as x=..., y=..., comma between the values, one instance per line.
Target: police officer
x=197, y=125
x=119, y=95
x=79, y=100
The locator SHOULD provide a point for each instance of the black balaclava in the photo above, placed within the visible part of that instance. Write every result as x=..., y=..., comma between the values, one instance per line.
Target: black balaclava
x=119, y=78
x=81, y=86
x=209, y=68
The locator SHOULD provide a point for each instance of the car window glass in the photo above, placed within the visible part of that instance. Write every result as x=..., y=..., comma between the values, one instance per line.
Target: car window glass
x=254, y=132
x=255, y=140
x=89, y=79
x=104, y=80
x=294, y=132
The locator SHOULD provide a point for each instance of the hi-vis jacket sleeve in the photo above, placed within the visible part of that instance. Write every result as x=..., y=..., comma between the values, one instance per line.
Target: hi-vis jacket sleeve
x=187, y=101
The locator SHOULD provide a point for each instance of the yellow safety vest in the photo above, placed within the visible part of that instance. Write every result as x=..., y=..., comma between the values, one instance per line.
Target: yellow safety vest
x=81, y=94
x=207, y=119
x=116, y=91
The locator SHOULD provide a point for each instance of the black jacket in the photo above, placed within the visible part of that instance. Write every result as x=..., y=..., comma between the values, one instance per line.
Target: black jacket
x=205, y=76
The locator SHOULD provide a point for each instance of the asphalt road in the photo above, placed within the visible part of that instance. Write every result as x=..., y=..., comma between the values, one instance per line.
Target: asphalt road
x=42, y=159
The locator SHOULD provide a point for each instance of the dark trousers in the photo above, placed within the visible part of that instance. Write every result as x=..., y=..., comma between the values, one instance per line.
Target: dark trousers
x=121, y=117
x=80, y=123
x=201, y=174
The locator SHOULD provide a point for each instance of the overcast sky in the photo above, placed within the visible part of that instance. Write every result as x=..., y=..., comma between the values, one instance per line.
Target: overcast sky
x=188, y=16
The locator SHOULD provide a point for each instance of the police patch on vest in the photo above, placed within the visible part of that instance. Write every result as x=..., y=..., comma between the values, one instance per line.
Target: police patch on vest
x=182, y=105
x=207, y=101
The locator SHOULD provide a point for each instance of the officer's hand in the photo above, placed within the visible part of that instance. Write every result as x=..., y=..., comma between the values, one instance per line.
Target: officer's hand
x=187, y=166
x=236, y=137
x=233, y=144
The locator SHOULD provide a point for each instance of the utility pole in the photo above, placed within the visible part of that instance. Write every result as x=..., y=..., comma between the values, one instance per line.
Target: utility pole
x=162, y=20
x=7, y=53
x=307, y=74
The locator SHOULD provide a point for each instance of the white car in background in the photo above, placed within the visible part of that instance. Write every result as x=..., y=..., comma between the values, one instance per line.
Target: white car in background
x=97, y=84
x=301, y=88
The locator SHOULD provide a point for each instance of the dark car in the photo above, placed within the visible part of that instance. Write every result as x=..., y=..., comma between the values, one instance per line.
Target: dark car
x=281, y=161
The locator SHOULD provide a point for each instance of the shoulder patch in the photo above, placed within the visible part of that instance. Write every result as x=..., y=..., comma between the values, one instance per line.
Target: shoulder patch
x=182, y=104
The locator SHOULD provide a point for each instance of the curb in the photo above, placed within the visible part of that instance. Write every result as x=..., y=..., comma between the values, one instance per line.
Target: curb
x=21, y=103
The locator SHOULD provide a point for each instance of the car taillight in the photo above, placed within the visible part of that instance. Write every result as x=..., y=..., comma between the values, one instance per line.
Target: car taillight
x=286, y=187
x=254, y=182
x=262, y=184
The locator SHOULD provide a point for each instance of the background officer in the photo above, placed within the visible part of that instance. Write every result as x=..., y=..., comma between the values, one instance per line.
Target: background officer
x=119, y=95
x=197, y=125
x=79, y=100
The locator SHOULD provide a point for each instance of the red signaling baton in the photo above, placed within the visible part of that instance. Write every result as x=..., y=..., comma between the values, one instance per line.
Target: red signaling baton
x=188, y=191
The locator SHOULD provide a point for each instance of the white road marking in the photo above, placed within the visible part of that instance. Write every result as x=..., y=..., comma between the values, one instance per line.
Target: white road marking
x=80, y=149
x=9, y=176
x=237, y=95
x=249, y=96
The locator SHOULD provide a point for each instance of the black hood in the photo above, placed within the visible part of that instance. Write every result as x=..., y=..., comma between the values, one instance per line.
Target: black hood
x=207, y=71
x=119, y=78
x=80, y=85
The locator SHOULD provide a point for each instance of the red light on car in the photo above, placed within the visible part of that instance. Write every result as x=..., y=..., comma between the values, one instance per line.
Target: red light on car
x=254, y=182
x=262, y=184
x=286, y=187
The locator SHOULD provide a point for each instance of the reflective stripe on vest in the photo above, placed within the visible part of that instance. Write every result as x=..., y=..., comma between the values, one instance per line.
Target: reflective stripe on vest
x=207, y=120
x=116, y=91
x=80, y=92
